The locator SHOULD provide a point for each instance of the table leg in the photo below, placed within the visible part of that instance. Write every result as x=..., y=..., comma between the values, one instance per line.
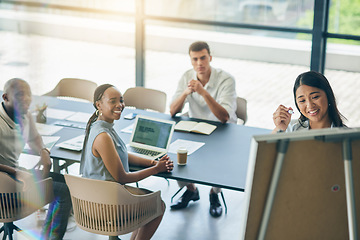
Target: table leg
x=56, y=167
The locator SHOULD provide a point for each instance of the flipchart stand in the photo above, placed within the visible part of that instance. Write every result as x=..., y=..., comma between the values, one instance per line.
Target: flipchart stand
x=327, y=142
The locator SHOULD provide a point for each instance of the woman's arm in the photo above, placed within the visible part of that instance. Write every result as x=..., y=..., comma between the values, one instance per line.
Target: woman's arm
x=139, y=161
x=104, y=148
x=281, y=118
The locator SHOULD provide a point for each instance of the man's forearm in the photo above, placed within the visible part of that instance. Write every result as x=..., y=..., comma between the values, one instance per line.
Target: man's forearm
x=36, y=145
x=7, y=169
x=218, y=110
x=177, y=105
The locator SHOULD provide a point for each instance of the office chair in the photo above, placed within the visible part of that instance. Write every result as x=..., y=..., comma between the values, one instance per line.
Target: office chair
x=145, y=98
x=75, y=88
x=17, y=201
x=109, y=208
x=241, y=109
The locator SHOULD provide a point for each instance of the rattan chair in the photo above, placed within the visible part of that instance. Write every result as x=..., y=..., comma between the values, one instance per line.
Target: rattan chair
x=17, y=203
x=108, y=208
x=145, y=98
x=241, y=109
x=74, y=88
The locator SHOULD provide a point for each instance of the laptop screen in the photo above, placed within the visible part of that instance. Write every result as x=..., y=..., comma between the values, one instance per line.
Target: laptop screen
x=152, y=132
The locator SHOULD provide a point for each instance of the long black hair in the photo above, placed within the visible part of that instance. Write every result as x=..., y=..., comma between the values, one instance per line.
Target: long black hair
x=99, y=92
x=318, y=80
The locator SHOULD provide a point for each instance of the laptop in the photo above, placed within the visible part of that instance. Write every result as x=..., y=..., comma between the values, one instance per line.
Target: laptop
x=150, y=137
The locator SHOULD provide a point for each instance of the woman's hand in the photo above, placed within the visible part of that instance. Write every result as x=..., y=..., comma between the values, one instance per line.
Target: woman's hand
x=281, y=118
x=165, y=164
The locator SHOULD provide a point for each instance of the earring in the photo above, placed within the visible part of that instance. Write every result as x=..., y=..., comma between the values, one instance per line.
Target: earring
x=97, y=112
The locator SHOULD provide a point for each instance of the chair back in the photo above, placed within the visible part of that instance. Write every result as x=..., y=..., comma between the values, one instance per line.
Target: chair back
x=145, y=98
x=107, y=208
x=241, y=109
x=17, y=202
x=74, y=87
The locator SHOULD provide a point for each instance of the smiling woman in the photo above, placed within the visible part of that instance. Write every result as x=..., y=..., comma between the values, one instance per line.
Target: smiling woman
x=313, y=105
x=316, y=103
x=105, y=157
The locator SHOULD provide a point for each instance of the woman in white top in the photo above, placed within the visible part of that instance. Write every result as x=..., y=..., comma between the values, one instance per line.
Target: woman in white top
x=316, y=103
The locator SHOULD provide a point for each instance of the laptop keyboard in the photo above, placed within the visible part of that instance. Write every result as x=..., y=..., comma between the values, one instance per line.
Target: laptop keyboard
x=144, y=151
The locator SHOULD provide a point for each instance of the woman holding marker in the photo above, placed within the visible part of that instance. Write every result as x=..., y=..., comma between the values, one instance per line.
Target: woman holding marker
x=105, y=155
x=316, y=103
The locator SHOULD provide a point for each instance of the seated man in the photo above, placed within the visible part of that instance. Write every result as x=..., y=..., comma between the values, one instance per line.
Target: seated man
x=17, y=127
x=211, y=95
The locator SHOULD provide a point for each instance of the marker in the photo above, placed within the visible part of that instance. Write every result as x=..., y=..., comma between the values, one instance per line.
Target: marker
x=291, y=111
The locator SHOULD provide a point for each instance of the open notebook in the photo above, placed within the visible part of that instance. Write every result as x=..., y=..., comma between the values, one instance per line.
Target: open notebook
x=150, y=137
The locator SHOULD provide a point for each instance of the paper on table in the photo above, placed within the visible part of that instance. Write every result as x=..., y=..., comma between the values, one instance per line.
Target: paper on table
x=74, y=144
x=79, y=117
x=49, y=142
x=128, y=129
x=57, y=113
x=191, y=146
x=47, y=130
x=28, y=161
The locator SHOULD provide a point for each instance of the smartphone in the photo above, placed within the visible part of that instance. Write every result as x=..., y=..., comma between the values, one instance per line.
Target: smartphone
x=130, y=116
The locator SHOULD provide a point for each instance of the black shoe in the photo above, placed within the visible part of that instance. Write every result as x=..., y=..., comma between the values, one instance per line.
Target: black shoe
x=185, y=199
x=114, y=238
x=215, y=206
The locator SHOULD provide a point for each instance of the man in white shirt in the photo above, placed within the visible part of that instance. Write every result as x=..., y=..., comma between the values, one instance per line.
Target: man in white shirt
x=211, y=95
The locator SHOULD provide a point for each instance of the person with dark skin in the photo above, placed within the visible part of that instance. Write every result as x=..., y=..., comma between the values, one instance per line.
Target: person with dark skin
x=105, y=155
x=17, y=127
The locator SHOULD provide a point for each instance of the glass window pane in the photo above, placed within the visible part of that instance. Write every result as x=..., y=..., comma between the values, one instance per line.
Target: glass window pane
x=79, y=8
x=40, y=59
x=44, y=44
x=343, y=73
x=264, y=68
x=268, y=12
x=344, y=17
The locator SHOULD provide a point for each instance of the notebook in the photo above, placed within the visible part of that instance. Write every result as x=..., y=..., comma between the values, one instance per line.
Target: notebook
x=150, y=137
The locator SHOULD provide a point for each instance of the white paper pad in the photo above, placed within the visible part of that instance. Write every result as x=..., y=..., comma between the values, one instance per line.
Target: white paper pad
x=74, y=144
x=47, y=130
x=128, y=129
x=57, y=113
x=79, y=117
x=191, y=146
x=28, y=161
x=49, y=142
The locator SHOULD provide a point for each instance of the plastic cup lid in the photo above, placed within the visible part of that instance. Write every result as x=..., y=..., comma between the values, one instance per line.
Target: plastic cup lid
x=182, y=150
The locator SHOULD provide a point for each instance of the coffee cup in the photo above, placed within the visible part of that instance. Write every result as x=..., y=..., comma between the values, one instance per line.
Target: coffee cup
x=182, y=156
